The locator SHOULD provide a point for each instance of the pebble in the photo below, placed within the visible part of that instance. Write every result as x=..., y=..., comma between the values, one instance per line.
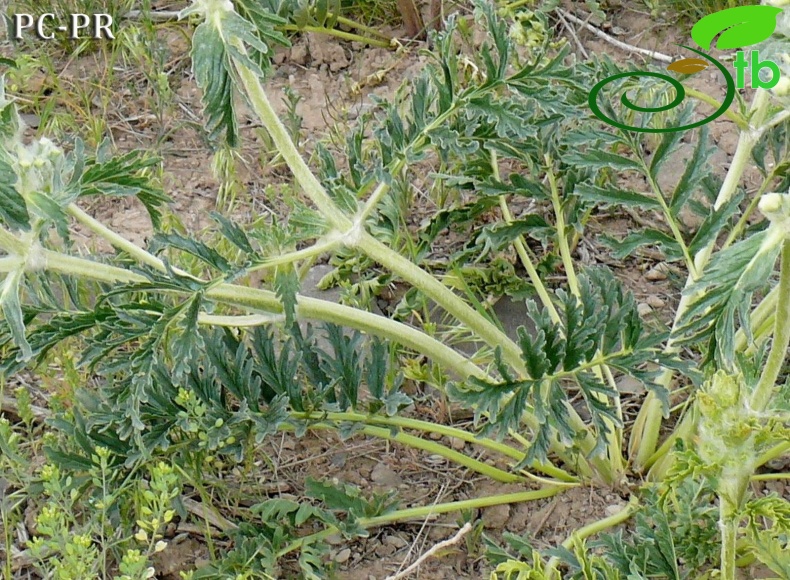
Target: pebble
x=343, y=556
x=457, y=444
x=644, y=309
x=495, y=518
x=384, y=475
x=656, y=274
x=396, y=541
x=655, y=302
x=614, y=509
x=383, y=550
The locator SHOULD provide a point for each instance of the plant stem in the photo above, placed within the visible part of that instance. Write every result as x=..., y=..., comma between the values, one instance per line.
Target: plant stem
x=590, y=529
x=736, y=118
x=614, y=437
x=773, y=366
x=354, y=235
x=562, y=240
x=425, y=445
x=521, y=250
x=350, y=36
x=427, y=511
x=447, y=431
x=366, y=29
x=645, y=433
x=728, y=524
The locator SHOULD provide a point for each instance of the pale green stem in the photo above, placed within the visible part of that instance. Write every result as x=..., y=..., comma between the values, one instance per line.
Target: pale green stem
x=551, y=571
x=354, y=235
x=11, y=244
x=562, y=240
x=316, y=249
x=447, y=431
x=736, y=118
x=115, y=239
x=645, y=433
x=350, y=36
x=769, y=476
x=366, y=29
x=428, y=511
x=521, y=250
x=431, y=447
x=743, y=221
x=239, y=321
x=443, y=296
x=10, y=263
x=773, y=366
x=673, y=225
x=728, y=524
x=89, y=269
x=614, y=442
x=774, y=453
x=762, y=314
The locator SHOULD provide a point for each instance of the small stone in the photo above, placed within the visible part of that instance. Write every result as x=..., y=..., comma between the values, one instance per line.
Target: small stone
x=656, y=274
x=434, y=436
x=396, y=541
x=334, y=540
x=644, y=309
x=655, y=302
x=614, y=509
x=384, y=476
x=343, y=556
x=495, y=517
x=457, y=444
x=299, y=54
x=384, y=550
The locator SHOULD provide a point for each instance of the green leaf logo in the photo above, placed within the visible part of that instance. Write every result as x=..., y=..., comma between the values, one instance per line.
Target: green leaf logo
x=739, y=26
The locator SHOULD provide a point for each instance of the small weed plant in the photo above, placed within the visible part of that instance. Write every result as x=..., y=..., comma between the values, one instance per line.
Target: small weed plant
x=180, y=369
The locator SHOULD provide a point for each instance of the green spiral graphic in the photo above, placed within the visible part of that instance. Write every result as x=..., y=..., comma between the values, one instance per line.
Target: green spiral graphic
x=681, y=94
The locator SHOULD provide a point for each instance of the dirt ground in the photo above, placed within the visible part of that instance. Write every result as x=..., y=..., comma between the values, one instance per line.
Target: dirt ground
x=335, y=81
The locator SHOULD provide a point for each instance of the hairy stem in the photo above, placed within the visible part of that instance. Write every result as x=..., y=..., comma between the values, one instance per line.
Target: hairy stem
x=427, y=511
x=645, y=434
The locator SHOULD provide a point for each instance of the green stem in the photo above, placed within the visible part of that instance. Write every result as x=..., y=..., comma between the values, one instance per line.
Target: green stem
x=354, y=235
x=115, y=239
x=447, y=431
x=426, y=445
x=616, y=466
x=774, y=453
x=521, y=250
x=728, y=524
x=443, y=296
x=673, y=225
x=350, y=36
x=366, y=29
x=589, y=530
x=427, y=511
x=562, y=240
x=736, y=118
x=769, y=476
x=11, y=244
x=773, y=366
x=645, y=433
x=761, y=315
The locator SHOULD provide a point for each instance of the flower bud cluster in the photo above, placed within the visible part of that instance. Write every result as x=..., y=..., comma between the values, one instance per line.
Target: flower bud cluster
x=728, y=428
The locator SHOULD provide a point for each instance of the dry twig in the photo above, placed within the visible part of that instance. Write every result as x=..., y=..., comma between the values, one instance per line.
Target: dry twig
x=440, y=546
